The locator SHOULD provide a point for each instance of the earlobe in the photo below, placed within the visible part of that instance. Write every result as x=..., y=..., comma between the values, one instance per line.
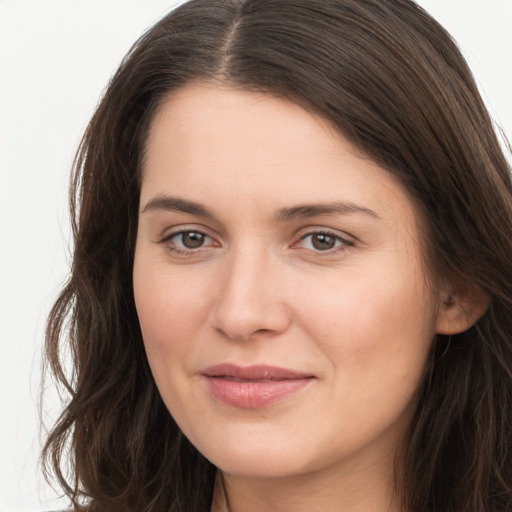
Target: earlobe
x=460, y=311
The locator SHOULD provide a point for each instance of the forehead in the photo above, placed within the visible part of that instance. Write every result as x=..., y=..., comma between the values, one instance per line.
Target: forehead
x=214, y=145
x=201, y=114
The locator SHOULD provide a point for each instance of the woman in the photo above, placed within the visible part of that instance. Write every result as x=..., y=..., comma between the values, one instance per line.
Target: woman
x=291, y=287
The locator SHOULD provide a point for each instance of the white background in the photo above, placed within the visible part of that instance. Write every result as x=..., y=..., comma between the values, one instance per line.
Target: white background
x=56, y=56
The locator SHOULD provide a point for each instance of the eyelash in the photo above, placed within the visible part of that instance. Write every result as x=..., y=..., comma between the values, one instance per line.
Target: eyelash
x=184, y=251
x=341, y=243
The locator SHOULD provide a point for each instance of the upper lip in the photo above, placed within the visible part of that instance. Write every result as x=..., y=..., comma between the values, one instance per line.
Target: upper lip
x=254, y=372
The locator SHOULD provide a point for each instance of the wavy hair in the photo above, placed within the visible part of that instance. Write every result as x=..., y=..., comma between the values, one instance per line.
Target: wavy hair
x=395, y=84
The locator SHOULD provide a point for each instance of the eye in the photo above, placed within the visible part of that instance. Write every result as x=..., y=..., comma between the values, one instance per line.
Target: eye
x=187, y=240
x=323, y=241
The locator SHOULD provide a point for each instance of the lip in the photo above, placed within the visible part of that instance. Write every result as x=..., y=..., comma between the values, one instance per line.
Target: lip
x=253, y=387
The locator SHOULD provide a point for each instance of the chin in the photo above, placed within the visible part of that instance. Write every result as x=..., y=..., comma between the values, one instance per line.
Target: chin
x=261, y=460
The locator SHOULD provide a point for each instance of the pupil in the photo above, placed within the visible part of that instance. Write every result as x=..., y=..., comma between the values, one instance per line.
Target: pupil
x=192, y=239
x=323, y=242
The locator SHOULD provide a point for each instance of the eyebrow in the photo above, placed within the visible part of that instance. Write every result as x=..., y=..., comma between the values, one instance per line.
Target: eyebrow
x=316, y=210
x=170, y=203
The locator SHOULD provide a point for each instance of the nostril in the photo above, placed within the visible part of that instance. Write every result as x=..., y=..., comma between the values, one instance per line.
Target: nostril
x=240, y=335
x=261, y=331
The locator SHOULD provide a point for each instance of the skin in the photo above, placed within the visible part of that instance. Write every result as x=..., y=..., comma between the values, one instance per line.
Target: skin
x=260, y=289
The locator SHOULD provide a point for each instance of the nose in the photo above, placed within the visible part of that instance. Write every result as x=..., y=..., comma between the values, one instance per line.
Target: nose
x=251, y=298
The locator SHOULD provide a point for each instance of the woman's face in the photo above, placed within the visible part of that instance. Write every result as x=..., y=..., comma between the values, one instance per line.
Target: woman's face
x=279, y=285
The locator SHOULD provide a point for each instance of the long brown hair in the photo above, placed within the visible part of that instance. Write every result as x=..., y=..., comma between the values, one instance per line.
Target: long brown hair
x=395, y=84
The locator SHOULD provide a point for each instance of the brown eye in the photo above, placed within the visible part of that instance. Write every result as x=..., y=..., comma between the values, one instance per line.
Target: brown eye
x=187, y=240
x=191, y=239
x=323, y=241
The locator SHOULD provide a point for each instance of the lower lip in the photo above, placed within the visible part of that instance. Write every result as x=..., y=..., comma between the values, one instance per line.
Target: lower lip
x=254, y=394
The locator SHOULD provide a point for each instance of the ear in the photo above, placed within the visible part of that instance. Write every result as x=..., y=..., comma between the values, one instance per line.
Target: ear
x=461, y=310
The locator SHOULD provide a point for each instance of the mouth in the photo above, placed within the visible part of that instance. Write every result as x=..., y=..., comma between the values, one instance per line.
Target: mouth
x=253, y=387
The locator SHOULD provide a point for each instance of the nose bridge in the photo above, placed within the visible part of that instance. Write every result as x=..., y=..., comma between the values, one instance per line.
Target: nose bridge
x=250, y=300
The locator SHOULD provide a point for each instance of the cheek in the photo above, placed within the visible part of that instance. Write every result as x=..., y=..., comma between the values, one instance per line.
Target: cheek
x=171, y=309
x=377, y=338
x=171, y=314
x=374, y=319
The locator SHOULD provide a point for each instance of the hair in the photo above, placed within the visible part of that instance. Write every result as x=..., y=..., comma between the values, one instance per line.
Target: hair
x=394, y=83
